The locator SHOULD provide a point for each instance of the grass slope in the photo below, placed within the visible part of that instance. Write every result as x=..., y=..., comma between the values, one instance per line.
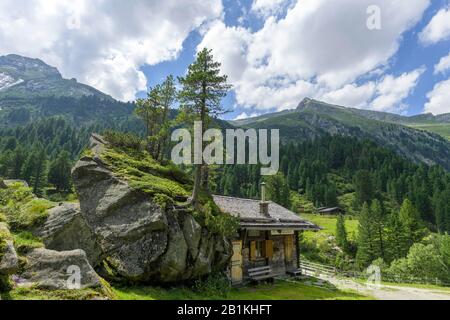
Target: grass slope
x=281, y=290
x=442, y=129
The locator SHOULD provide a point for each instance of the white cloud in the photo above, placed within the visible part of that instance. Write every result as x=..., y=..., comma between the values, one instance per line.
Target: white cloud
x=245, y=115
x=386, y=94
x=443, y=65
x=351, y=95
x=392, y=91
x=438, y=29
x=102, y=43
x=266, y=8
x=439, y=98
x=317, y=49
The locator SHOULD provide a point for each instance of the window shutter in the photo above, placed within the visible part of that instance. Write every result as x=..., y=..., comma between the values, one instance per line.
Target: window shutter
x=252, y=250
x=268, y=249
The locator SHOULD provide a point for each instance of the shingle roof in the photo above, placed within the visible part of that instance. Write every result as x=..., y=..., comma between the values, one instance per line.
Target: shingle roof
x=248, y=211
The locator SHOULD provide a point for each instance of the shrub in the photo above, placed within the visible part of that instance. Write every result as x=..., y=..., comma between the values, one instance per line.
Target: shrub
x=215, y=284
x=123, y=140
x=216, y=221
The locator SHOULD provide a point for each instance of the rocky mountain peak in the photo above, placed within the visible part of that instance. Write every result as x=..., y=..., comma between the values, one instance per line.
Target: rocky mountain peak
x=24, y=68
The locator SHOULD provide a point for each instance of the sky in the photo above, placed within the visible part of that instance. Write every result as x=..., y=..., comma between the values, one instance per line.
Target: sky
x=383, y=55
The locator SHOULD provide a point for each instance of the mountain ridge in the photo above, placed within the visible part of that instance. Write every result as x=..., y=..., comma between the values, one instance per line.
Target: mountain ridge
x=24, y=78
x=313, y=119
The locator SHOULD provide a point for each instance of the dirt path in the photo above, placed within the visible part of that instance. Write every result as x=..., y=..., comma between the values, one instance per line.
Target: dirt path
x=390, y=292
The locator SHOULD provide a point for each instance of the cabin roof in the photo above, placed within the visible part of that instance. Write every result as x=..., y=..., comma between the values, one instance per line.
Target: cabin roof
x=249, y=213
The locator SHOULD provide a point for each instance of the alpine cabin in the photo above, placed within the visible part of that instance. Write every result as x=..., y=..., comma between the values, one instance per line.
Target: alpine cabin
x=267, y=245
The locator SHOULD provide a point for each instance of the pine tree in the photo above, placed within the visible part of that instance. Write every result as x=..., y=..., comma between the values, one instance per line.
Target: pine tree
x=59, y=173
x=202, y=91
x=341, y=234
x=278, y=190
x=39, y=175
x=366, y=235
x=410, y=220
x=379, y=226
x=364, y=187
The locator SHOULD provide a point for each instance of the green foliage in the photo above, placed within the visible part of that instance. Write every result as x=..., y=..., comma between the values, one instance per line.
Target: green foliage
x=280, y=290
x=278, y=190
x=5, y=235
x=423, y=262
x=363, y=186
x=123, y=140
x=216, y=221
x=409, y=218
x=203, y=89
x=341, y=234
x=215, y=284
x=59, y=173
x=367, y=250
x=146, y=174
x=22, y=210
x=25, y=242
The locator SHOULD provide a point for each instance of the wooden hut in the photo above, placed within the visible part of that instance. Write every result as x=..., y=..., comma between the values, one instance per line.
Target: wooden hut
x=267, y=244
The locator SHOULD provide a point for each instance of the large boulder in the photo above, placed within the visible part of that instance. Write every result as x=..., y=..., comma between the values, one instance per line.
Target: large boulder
x=9, y=261
x=66, y=229
x=138, y=239
x=59, y=270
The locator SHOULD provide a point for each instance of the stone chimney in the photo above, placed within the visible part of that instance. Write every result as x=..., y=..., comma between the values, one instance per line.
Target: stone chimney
x=264, y=205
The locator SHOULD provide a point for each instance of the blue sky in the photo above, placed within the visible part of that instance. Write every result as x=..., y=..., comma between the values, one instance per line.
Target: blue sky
x=411, y=55
x=275, y=52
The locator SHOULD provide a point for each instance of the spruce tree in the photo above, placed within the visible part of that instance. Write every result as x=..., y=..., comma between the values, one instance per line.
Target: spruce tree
x=341, y=234
x=59, y=172
x=410, y=220
x=203, y=89
x=366, y=238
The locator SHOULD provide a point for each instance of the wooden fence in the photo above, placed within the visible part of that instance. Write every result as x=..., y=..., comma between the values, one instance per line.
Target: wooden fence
x=317, y=269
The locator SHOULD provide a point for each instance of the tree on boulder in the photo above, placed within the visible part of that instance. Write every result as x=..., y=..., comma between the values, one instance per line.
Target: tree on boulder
x=200, y=98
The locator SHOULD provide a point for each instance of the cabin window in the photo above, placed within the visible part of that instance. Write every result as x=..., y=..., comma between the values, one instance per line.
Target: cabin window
x=262, y=249
x=256, y=250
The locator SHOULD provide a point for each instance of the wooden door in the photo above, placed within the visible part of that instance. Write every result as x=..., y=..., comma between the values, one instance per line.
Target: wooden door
x=236, y=262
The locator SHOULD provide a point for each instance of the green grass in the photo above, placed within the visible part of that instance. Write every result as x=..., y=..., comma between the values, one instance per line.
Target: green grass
x=26, y=241
x=281, y=290
x=36, y=294
x=328, y=223
x=442, y=129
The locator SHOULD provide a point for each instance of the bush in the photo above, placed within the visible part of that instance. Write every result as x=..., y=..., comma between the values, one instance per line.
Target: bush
x=123, y=140
x=423, y=262
x=216, y=221
x=215, y=284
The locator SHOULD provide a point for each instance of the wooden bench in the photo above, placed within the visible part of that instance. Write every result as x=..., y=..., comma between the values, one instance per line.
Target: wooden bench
x=261, y=273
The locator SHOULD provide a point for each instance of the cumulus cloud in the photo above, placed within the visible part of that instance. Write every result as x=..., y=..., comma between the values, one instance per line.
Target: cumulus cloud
x=102, y=43
x=443, y=65
x=266, y=8
x=438, y=29
x=439, y=98
x=392, y=91
x=319, y=49
x=386, y=94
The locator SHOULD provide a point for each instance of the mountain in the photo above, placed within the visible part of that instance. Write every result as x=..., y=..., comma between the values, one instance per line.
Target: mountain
x=31, y=90
x=314, y=119
x=22, y=77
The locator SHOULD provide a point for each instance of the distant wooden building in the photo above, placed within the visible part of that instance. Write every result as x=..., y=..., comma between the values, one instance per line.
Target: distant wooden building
x=330, y=211
x=267, y=244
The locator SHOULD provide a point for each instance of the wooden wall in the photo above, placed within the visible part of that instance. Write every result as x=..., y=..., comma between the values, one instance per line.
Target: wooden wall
x=278, y=260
